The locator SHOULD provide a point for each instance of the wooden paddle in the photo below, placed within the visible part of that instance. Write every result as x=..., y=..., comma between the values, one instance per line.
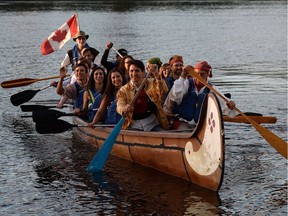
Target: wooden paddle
x=117, y=52
x=25, y=96
x=275, y=141
x=99, y=159
x=59, y=126
x=258, y=119
x=24, y=81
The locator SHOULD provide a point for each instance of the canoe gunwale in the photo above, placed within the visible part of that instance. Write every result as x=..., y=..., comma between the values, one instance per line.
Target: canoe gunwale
x=167, y=133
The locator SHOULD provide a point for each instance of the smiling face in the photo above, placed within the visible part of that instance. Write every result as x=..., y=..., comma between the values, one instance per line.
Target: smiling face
x=88, y=55
x=136, y=75
x=98, y=76
x=116, y=79
x=81, y=41
x=177, y=68
x=81, y=73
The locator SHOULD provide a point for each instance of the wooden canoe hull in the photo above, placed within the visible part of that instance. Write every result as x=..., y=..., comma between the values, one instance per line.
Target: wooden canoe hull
x=196, y=156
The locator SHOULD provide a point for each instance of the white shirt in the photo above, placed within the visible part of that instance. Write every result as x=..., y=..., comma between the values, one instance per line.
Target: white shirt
x=180, y=88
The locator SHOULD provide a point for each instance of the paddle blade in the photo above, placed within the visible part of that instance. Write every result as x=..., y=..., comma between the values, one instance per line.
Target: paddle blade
x=54, y=126
x=276, y=142
x=99, y=159
x=23, y=97
x=17, y=82
x=47, y=115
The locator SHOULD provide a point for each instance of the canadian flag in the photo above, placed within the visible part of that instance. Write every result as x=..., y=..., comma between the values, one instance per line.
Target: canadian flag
x=59, y=37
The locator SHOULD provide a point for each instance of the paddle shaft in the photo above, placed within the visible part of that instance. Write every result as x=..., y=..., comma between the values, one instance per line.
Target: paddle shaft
x=24, y=81
x=258, y=119
x=117, y=52
x=275, y=141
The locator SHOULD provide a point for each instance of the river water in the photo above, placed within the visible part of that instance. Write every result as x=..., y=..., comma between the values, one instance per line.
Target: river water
x=244, y=41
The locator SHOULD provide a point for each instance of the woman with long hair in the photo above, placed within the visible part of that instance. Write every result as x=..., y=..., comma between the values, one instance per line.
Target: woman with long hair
x=107, y=108
x=93, y=95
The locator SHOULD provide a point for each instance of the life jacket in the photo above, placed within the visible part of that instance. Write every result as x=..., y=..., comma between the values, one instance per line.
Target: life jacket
x=170, y=82
x=78, y=102
x=74, y=55
x=93, y=93
x=191, y=103
x=112, y=116
x=93, y=103
x=143, y=106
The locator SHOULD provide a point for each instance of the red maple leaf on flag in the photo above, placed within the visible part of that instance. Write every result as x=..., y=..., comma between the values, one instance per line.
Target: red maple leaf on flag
x=59, y=35
x=58, y=38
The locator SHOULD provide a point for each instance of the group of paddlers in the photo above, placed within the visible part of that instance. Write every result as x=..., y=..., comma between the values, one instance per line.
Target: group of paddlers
x=103, y=91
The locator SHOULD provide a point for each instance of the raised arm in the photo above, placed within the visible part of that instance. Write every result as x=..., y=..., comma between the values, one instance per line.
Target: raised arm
x=62, y=74
x=104, y=59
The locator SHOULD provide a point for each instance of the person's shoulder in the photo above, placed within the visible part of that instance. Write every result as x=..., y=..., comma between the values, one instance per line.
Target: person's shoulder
x=69, y=51
x=169, y=79
x=126, y=88
x=71, y=85
x=94, y=51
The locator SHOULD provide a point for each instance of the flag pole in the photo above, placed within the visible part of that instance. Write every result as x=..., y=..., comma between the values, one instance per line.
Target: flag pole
x=77, y=17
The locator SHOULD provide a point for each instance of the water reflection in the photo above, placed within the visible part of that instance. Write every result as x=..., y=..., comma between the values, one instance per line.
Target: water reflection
x=47, y=174
x=122, y=188
x=149, y=192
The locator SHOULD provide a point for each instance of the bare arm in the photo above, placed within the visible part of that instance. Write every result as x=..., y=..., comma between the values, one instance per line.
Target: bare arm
x=62, y=74
x=85, y=100
x=101, y=111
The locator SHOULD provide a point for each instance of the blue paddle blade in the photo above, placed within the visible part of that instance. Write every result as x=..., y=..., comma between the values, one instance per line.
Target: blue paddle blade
x=99, y=159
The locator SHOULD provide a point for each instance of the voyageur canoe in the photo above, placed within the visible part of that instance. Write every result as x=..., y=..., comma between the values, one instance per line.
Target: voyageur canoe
x=196, y=155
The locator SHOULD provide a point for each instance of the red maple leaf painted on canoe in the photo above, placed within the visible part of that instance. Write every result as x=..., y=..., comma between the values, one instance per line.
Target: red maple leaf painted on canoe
x=59, y=35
